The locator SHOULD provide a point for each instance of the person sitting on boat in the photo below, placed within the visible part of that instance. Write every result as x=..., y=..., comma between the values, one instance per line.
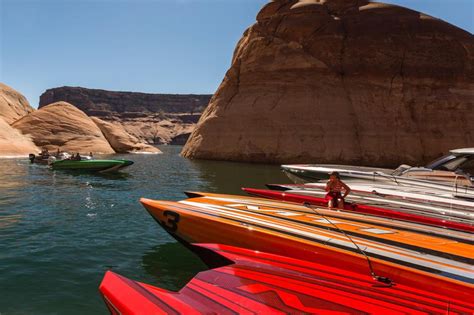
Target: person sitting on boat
x=335, y=188
x=77, y=157
x=45, y=153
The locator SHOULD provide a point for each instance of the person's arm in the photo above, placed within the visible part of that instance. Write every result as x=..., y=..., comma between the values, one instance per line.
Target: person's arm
x=347, y=190
x=328, y=186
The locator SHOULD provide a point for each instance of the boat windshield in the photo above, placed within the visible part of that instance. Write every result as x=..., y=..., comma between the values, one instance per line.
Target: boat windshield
x=468, y=167
x=440, y=161
x=453, y=163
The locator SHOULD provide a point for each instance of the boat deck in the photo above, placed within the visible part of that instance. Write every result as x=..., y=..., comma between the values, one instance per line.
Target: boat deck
x=260, y=224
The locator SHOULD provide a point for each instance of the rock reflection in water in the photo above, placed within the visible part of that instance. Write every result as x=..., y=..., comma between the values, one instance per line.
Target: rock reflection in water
x=230, y=177
x=7, y=221
x=172, y=265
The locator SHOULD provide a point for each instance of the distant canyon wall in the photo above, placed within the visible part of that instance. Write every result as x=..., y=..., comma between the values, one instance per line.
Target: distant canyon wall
x=349, y=81
x=152, y=118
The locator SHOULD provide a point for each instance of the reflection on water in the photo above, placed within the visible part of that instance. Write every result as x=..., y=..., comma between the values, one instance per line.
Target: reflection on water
x=60, y=231
x=230, y=177
x=9, y=220
x=14, y=170
x=172, y=265
x=85, y=174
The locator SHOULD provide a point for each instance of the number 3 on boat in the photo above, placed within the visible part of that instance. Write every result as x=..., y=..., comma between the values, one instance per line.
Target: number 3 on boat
x=171, y=222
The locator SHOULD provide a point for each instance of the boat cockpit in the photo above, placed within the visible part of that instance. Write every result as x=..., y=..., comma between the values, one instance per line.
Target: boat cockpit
x=458, y=163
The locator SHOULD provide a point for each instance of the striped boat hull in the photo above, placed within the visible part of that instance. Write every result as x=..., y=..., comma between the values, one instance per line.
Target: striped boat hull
x=318, y=200
x=261, y=283
x=405, y=257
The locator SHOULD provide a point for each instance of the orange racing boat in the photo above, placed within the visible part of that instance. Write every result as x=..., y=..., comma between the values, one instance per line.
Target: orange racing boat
x=390, y=255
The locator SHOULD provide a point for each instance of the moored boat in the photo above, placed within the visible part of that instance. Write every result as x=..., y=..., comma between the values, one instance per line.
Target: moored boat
x=38, y=159
x=261, y=283
x=405, y=257
x=424, y=203
x=46, y=158
x=452, y=170
x=320, y=200
x=410, y=193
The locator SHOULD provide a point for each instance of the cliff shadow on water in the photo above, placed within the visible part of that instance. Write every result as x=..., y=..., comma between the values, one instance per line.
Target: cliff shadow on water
x=229, y=177
x=171, y=265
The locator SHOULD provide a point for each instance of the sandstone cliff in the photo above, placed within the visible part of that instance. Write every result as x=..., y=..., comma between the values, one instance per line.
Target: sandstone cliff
x=120, y=140
x=152, y=118
x=341, y=81
x=13, y=142
x=13, y=105
x=61, y=125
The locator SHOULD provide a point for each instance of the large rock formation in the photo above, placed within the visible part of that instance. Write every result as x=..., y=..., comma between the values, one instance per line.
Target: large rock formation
x=58, y=125
x=13, y=105
x=341, y=81
x=154, y=118
x=61, y=125
x=13, y=142
x=120, y=140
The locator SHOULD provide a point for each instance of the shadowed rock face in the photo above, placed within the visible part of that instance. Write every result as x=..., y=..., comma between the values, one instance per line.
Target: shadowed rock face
x=61, y=125
x=341, y=81
x=181, y=139
x=154, y=118
x=120, y=140
x=13, y=105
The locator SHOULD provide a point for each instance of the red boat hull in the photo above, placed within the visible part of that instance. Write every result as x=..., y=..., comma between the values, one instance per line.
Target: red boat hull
x=261, y=283
x=387, y=213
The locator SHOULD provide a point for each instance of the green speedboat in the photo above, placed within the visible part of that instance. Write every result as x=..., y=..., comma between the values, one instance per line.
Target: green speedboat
x=91, y=165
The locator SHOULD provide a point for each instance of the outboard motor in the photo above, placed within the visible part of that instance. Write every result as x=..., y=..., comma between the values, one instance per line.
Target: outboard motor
x=51, y=159
x=32, y=157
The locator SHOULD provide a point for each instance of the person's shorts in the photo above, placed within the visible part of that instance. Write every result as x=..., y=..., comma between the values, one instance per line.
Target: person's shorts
x=334, y=196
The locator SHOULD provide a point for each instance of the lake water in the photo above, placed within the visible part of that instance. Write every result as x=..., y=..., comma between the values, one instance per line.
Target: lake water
x=60, y=232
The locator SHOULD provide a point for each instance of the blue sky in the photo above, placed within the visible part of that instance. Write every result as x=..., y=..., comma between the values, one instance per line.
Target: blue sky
x=158, y=46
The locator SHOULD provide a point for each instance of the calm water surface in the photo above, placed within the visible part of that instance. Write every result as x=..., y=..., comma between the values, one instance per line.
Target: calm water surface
x=59, y=231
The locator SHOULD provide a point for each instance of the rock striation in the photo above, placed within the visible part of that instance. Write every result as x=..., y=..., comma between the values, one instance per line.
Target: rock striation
x=341, y=81
x=120, y=140
x=62, y=125
x=152, y=118
x=13, y=105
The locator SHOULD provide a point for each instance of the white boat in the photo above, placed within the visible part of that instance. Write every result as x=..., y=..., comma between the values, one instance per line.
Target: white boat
x=451, y=172
x=46, y=158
